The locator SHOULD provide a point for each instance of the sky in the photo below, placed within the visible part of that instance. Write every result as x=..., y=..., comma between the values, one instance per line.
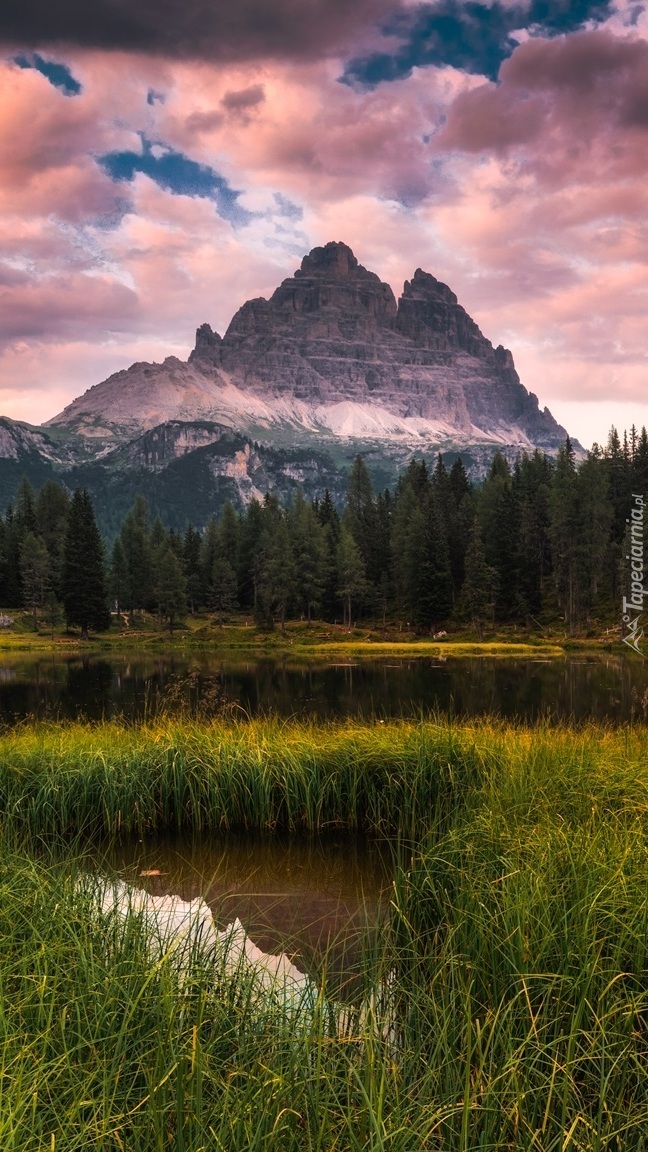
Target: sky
x=162, y=161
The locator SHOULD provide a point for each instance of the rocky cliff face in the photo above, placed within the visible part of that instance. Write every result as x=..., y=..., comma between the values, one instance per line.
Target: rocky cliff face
x=332, y=354
x=330, y=366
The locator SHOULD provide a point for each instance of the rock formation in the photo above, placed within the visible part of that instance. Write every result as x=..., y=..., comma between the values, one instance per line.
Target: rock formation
x=332, y=354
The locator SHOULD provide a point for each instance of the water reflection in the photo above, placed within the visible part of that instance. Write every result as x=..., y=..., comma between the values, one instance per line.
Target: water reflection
x=313, y=898
x=611, y=687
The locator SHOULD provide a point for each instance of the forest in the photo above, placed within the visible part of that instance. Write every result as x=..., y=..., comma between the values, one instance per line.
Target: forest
x=541, y=542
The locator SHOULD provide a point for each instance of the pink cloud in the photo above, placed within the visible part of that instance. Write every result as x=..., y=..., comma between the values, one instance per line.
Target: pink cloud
x=529, y=198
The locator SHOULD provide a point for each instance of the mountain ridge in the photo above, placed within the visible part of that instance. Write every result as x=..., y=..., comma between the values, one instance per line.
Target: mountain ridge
x=333, y=353
x=330, y=366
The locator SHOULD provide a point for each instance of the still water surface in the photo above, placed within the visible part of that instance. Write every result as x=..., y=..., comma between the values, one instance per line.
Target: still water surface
x=611, y=687
x=312, y=897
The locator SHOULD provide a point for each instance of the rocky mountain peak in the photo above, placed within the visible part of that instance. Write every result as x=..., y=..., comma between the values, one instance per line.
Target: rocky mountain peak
x=331, y=357
x=207, y=348
x=334, y=261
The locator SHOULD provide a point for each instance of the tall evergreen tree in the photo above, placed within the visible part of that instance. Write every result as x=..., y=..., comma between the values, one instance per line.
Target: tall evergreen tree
x=360, y=518
x=307, y=542
x=52, y=505
x=36, y=574
x=136, y=543
x=352, y=582
x=191, y=559
x=83, y=579
x=169, y=587
x=118, y=577
x=477, y=595
x=563, y=534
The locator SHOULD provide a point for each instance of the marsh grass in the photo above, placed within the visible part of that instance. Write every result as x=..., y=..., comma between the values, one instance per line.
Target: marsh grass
x=516, y=956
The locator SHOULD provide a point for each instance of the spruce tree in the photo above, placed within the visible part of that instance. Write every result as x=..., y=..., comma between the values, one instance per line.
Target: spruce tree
x=352, y=582
x=118, y=581
x=169, y=587
x=83, y=580
x=223, y=588
x=307, y=541
x=52, y=505
x=191, y=560
x=136, y=542
x=477, y=593
x=36, y=574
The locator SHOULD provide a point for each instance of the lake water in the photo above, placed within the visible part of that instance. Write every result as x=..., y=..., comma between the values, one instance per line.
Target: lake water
x=314, y=898
x=609, y=687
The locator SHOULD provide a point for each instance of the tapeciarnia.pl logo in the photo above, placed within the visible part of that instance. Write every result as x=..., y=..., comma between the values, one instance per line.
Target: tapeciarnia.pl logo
x=633, y=605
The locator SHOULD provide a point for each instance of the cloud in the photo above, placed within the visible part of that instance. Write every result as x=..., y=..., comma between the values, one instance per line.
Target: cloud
x=178, y=174
x=216, y=30
x=576, y=106
x=59, y=75
x=243, y=100
x=470, y=35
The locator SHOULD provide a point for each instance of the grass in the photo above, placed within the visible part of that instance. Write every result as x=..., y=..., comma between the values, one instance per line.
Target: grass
x=517, y=947
x=319, y=640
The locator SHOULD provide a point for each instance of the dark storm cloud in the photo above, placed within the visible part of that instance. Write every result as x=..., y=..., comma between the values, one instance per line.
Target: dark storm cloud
x=474, y=37
x=59, y=75
x=211, y=29
x=176, y=173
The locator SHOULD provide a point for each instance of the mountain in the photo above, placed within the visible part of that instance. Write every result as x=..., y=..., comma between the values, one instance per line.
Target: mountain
x=329, y=366
x=332, y=354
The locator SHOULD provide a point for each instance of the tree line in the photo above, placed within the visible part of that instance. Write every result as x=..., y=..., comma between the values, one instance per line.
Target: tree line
x=538, y=542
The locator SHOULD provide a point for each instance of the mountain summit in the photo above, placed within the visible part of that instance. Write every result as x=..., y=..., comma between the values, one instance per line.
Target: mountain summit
x=330, y=366
x=333, y=356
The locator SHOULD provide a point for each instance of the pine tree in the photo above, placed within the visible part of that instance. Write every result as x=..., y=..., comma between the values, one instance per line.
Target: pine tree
x=169, y=587
x=25, y=509
x=36, y=574
x=360, y=518
x=352, y=582
x=12, y=574
x=434, y=603
x=563, y=534
x=136, y=543
x=477, y=592
x=251, y=560
x=277, y=586
x=331, y=528
x=118, y=581
x=52, y=506
x=83, y=580
x=223, y=588
x=191, y=560
x=209, y=553
x=307, y=542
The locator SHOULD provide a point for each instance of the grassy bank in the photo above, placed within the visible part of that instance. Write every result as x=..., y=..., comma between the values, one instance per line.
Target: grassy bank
x=320, y=640
x=381, y=777
x=518, y=944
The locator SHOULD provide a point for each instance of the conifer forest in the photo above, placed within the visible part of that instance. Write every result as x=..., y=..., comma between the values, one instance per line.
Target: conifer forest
x=541, y=542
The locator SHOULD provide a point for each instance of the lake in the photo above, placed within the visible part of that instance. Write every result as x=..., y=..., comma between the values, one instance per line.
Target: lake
x=611, y=686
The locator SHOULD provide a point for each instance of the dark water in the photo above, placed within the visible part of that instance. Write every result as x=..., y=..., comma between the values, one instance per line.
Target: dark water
x=611, y=687
x=314, y=898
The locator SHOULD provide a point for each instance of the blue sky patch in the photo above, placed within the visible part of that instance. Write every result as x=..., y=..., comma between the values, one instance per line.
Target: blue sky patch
x=176, y=173
x=287, y=208
x=59, y=75
x=471, y=36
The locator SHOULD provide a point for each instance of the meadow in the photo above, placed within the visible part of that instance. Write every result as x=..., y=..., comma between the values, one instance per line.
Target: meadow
x=516, y=951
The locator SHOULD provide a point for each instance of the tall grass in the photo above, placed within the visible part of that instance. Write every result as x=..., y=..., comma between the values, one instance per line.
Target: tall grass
x=516, y=955
x=385, y=778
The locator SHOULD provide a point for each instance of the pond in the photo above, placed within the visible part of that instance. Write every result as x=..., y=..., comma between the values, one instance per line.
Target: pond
x=314, y=898
x=612, y=687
